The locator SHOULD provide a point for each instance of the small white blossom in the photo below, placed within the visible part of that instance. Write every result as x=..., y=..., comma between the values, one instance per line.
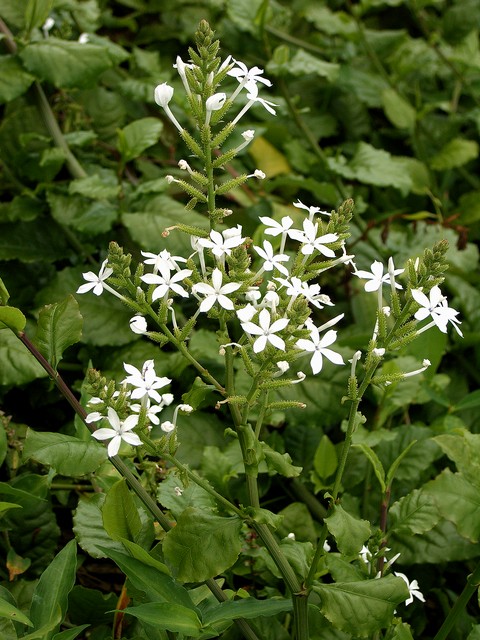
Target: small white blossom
x=266, y=331
x=214, y=103
x=167, y=282
x=216, y=292
x=220, y=245
x=163, y=94
x=94, y=281
x=177, y=491
x=162, y=258
x=146, y=382
x=138, y=325
x=243, y=74
x=271, y=261
x=376, y=278
x=311, y=210
x=83, y=38
x=247, y=313
x=167, y=426
x=435, y=306
x=310, y=242
x=120, y=430
x=413, y=588
x=319, y=347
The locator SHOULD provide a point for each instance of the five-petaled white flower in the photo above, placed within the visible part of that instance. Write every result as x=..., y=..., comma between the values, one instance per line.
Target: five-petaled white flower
x=164, y=257
x=219, y=244
x=243, y=74
x=310, y=242
x=272, y=261
x=166, y=281
x=266, y=330
x=146, y=382
x=94, y=281
x=120, y=430
x=216, y=292
x=437, y=307
x=413, y=588
x=319, y=347
x=376, y=278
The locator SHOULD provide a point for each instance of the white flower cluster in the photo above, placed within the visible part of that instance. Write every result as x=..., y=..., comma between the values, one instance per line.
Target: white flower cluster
x=142, y=385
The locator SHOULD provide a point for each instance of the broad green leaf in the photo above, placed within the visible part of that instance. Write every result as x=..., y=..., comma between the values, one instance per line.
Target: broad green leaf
x=88, y=527
x=219, y=539
x=296, y=518
x=70, y=634
x=458, y=501
x=138, y=136
x=303, y=63
x=4, y=295
x=83, y=214
x=279, y=462
x=66, y=63
x=247, y=608
x=398, y=110
x=264, y=516
x=11, y=612
x=402, y=631
x=375, y=462
x=454, y=154
x=45, y=631
x=59, y=326
x=172, y=617
x=157, y=586
x=12, y=318
x=325, y=461
x=119, y=513
x=6, y=506
x=40, y=240
x=298, y=554
x=96, y=187
x=463, y=448
x=18, y=364
x=36, y=13
x=198, y=394
x=362, y=608
x=349, y=532
x=138, y=552
x=14, y=80
x=470, y=401
x=415, y=513
x=51, y=592
x=191, y=496
x=69, y=456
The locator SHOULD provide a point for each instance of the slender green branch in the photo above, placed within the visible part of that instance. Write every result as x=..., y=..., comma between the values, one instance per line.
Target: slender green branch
x=473, y=582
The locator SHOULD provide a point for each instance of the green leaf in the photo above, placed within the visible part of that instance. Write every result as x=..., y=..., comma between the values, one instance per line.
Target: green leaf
x=36, y=13
x=88, y=527
x=59, y=326
x=198, y=393
x=362, y=608
x=349, y=532
x=264, y=516
x=4, y=295
x=303, y=63
x=14, y=80
x=66, y=63
x=279, y=462
x=51, y=592
x=6, y=506
x=119, y=512
x=219, y=539
x=247, y=608
x=325, y=461
x=96, y=187
x=138, y=136
x=157, y=586
x=191, y=496
x=458, y=501
x=18, y=364
x=415, y=513
x=172, y=617
x=470, y=401
x=40, y=240
x=12, y=318
x=396, y=463
x=81, y=213
x=400, y=112
x=454, y=154
x=11, y=612
x=463, y=448
x=138, y=552
x=70, y=634
x=375, y=462
x=69, y=456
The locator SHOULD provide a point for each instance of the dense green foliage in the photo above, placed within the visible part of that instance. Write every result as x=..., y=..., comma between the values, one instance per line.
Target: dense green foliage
x=377, y=101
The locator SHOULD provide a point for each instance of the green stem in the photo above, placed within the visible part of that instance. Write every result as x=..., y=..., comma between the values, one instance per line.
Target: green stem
x=473, y=582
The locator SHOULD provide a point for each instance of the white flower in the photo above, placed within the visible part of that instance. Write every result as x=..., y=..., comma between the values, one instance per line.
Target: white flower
x=167, y=426
x=94, y=281
x=311, y=210
x=216, y=292
x=120, y=430
x=437, y=307
x=258, y=173
x=266, y=331
x=167, y=282
x=163, y=94
x=318, y=346
x=146, y=382
x=253, y=97
x=177, y=491
x=248, y=135
x=247, y=313
x=275, y=228
x=271, y=261
x=138, y=324
x=94, y=416
x=243, y=74
x=83, y=38
x=413, y=588
x=220, y=245
x=233, y=232
x=376, y=278
x=180, y=66
x=313, y=295
x=215, y=102
x=311, y=243
x=162, y=258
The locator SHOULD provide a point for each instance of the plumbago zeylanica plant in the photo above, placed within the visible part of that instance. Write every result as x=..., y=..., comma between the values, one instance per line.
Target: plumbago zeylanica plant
x=263, y=301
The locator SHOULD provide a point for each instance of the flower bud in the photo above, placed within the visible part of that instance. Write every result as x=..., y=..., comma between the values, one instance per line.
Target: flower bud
x=163, y=94
x=215, y=102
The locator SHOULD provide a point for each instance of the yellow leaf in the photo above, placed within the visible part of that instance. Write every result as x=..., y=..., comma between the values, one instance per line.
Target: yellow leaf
x=267, y=158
